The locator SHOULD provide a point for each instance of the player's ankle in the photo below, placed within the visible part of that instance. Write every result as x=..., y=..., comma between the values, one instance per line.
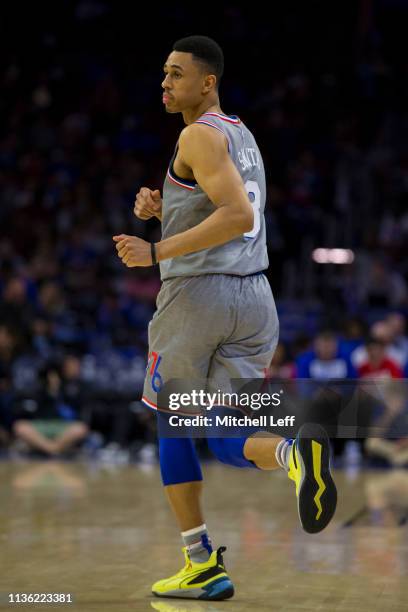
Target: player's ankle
x=198, y=544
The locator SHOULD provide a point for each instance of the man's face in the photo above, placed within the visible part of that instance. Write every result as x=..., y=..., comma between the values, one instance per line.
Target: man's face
x=184, y=82
x=326, y=347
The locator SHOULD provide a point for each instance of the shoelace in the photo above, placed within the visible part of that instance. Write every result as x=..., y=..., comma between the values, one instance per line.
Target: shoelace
x=187, y=563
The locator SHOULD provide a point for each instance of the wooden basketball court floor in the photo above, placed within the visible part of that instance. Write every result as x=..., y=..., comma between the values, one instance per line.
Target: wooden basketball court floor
x=104, y=535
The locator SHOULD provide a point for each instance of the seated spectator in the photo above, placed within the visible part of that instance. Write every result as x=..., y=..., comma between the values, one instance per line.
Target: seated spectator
x=390, y=332
x=388, y=444
x=382, y=489
x=377, y=363
x=326, y=361
x=53, y=425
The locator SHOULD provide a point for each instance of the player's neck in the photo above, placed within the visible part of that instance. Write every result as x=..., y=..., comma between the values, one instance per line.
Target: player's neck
x=192, y=114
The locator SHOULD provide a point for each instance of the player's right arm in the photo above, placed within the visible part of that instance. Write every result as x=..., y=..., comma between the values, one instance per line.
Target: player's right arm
x=148, y=204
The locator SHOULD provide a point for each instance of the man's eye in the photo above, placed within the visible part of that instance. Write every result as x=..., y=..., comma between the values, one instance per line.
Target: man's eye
x=177, y=75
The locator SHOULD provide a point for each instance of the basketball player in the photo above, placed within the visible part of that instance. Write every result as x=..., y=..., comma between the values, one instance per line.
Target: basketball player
x=215, y=316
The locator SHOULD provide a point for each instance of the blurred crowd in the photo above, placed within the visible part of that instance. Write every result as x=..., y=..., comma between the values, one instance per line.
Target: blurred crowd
x=82, y=130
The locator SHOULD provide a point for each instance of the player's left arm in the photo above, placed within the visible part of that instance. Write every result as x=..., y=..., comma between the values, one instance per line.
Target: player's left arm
x=204, y=150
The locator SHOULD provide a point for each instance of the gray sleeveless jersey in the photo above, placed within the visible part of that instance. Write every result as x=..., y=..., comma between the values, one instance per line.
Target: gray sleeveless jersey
x=185, y=205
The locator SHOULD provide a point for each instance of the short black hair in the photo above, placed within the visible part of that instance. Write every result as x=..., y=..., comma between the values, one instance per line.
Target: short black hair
x=204, y=50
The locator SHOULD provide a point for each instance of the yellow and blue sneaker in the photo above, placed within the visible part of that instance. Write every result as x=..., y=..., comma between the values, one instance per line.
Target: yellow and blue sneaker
x=309, y=467
x=207, y=580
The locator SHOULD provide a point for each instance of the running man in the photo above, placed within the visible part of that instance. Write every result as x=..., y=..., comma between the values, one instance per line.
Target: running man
x=215, y=316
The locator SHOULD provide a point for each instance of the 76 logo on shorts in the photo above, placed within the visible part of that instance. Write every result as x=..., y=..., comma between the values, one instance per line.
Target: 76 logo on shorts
x=154, y=360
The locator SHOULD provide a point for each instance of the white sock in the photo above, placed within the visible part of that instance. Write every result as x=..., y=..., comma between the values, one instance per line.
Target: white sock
x=198, y=543
x=282, y=453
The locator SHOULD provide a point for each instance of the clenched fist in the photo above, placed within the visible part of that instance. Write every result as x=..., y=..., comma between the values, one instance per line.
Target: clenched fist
x=148, y=204
x=133, y=251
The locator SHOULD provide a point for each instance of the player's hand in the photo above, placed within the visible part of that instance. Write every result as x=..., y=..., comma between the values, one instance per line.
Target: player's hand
x=148, y=204
x=133, y=251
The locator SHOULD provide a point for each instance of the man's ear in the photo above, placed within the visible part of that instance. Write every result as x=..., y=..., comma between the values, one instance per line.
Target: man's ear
x=210, y=83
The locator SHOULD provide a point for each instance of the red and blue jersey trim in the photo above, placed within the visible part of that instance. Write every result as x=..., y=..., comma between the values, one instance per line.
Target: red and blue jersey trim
x=176, y=180
x=148, y=403
x=186, y=185
x=229, y=119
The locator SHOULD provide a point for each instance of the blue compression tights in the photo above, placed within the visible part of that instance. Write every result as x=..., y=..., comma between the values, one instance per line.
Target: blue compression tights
x=179, y=462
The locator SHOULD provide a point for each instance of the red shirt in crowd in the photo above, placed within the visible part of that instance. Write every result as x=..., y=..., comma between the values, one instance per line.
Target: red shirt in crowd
x=387, y=369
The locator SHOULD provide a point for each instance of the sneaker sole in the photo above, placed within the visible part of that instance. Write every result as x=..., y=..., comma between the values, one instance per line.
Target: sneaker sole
x=216, y=591
x=317, y=498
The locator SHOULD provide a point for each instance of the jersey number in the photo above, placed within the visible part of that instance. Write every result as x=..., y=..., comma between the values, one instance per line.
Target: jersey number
x=254, y=195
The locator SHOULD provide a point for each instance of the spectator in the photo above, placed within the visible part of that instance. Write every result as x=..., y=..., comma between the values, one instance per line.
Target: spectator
x=388, y=443
x=386, y=331
x=378, y=365
x=55, y=426
x=326, y=361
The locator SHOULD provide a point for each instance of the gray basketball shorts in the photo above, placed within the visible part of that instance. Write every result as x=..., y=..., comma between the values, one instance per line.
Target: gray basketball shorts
x=213, y=326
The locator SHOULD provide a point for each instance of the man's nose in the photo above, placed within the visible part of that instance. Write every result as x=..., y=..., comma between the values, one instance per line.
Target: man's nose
x=165, y=81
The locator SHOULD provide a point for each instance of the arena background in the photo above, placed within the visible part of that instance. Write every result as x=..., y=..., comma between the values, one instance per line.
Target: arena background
x=324, y=88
